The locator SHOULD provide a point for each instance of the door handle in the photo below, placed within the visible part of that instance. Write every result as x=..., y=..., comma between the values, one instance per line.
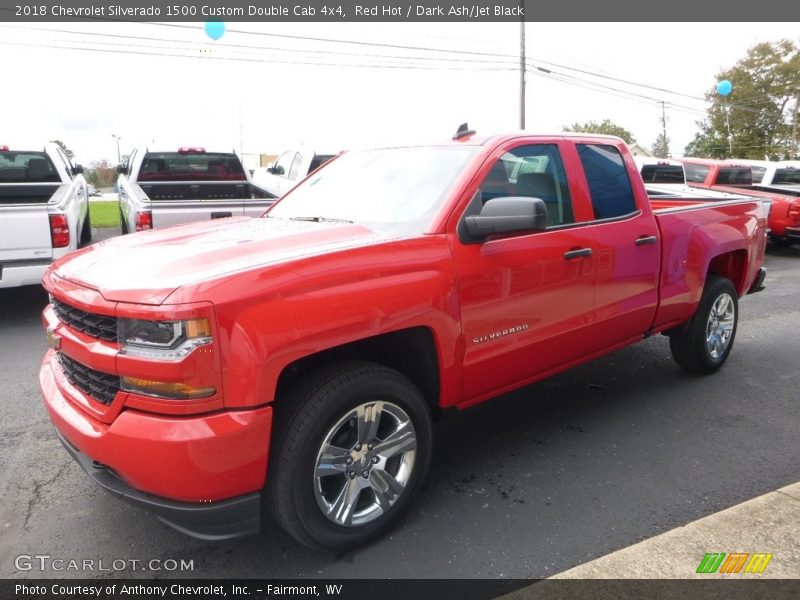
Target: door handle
x=646, y=239
x=578, y=253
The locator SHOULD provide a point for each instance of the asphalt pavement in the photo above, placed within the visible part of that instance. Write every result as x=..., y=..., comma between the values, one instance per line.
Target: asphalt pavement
x=532, y=484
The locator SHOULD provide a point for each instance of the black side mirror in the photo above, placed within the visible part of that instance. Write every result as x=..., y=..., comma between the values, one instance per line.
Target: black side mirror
x=121, y=169
x=508, y=214
x=276, y=170
x=77, y=169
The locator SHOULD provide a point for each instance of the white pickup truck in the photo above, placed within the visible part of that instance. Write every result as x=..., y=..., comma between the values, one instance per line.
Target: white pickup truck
x=163, y=188
x=288, y=170
x=781, y=176
x=44, y=212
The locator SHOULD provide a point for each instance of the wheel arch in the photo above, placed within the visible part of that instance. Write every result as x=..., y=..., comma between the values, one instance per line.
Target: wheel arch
x=412, y=352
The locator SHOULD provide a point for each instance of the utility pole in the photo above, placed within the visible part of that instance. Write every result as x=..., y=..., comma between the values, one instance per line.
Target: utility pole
x=522, y=73
x=795, y=153
x=664, y=128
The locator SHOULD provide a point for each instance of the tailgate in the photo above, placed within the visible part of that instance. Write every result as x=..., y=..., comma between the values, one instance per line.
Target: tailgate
x=24, y=233
x=174, y=203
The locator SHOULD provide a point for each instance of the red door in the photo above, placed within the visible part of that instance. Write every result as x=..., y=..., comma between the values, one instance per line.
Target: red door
x=525, y=298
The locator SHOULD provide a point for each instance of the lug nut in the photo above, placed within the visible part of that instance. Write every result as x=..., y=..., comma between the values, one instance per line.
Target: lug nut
x=358, y=447
x=375, y=460
x=370, y=446
x=365, y=474
x=349, y=460
x=352, y=474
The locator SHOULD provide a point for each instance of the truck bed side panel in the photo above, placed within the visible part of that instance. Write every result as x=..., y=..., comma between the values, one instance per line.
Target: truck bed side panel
x=692, y=238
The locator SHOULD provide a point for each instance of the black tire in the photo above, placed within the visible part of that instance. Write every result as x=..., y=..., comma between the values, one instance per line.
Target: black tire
x=314, y=408
x=780, y=242
x=689, y=343
x=122, y=224
x=86, y=230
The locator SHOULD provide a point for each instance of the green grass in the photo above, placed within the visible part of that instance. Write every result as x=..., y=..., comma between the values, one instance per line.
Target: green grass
x=104, y=213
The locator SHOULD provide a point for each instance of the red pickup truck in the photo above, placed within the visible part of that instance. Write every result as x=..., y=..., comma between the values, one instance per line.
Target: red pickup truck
x=723, y=176
x=295, y=362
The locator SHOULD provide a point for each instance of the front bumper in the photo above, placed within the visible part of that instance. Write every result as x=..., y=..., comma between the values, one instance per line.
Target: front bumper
x=225, y=519
x=201, y=474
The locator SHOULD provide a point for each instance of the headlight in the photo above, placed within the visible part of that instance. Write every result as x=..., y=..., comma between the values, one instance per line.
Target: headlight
x=162, y=340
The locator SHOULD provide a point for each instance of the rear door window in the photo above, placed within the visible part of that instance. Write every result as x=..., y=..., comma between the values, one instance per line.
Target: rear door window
x=662, y=174
x=609, y=185
x=734, y=176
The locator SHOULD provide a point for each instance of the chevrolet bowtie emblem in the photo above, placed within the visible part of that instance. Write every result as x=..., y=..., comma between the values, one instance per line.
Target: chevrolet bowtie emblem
x=53, y=340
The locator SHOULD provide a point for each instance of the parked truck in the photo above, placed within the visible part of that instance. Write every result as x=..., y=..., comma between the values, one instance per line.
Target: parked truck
x=290, y=168
x=44, y=212
x=295, y=363
x=163, y=188
x=722, y=176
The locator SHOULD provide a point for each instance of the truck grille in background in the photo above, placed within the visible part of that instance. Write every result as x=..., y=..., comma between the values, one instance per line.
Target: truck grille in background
x=98, y=326
x=103, y=387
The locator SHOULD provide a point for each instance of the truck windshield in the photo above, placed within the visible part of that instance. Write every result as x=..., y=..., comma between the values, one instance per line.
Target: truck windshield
x=394, y=190
x=27, y=167
x=178, y=166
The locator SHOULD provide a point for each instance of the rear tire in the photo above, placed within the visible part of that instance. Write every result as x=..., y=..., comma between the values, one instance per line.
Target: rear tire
x=703, y=344
x=122, y=224
x=348, y=456
x=86, y=230
x=780, y=242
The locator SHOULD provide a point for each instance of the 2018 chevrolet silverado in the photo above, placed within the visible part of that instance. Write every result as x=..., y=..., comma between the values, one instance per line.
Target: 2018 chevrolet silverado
x=44, y=212
x=784, y=214
x=295, y=362
x=163, y=188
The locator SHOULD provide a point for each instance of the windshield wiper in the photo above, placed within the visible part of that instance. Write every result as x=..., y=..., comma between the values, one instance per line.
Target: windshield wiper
x=319, y=219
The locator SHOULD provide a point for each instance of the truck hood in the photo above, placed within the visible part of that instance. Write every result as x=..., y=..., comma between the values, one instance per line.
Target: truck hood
x=147, y=267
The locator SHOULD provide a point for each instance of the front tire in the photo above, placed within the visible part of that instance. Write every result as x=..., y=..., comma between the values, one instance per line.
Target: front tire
x=703, y=344
x=780, y=242
x=350, y=453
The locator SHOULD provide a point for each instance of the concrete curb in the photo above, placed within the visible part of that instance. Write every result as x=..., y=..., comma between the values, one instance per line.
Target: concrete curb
x=769, y=523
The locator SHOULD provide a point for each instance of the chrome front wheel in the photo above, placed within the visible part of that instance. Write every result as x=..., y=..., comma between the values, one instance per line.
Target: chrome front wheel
x=365, y=463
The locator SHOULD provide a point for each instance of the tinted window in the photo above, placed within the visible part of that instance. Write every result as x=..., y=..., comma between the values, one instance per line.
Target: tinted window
x=535, y=171
x=662, y=174
x=27, y=167
x=695, y=173
x=788, y=175
x=735, y=176
x=175, y=166
x=758, y=173
x=609, y=186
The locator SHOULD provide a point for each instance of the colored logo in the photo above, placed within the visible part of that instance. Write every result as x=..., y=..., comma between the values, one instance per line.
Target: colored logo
x=735, y=562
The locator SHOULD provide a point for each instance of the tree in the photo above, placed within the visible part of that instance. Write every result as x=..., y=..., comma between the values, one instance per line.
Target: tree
x=607, y=127
x=70, y=154
x=766, y=88
x=101, y=174
x=660, y=147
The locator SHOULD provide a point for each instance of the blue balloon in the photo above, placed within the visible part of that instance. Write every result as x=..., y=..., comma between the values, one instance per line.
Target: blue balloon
x=215, y=29
x=724, y=87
